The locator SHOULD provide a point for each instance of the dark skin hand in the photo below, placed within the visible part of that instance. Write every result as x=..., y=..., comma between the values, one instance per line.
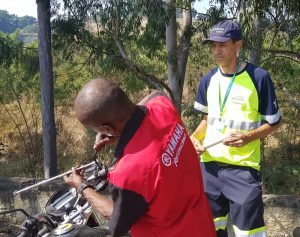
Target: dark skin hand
x=104, y=139
x=74, y=180
x=99, y=203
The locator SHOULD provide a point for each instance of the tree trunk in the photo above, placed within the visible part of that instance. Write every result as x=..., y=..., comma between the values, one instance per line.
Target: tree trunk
x=240, y=11
x=255, y=53
x=257, y=30
x=184, y=47
x=46, y=75
x=171, y=48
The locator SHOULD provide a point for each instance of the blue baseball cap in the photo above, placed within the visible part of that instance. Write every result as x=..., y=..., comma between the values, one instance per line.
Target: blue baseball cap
x=224, y=31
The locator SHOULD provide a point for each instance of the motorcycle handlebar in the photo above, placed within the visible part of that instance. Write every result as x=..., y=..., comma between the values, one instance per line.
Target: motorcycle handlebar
x=93, y=163
x=27, y=226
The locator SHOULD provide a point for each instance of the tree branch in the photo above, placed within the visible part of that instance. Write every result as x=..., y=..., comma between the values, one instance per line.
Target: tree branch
x=148, y=78
x=283, y=53
x=292, y=56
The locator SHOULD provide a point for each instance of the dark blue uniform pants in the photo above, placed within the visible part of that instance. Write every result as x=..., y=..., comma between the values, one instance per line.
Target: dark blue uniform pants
x=234, y=190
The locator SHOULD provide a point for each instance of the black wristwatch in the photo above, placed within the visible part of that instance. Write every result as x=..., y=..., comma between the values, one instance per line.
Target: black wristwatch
x=83, y=186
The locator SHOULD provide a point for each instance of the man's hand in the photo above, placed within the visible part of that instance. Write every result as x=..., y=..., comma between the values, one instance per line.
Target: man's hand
x=236, y=139
x=74, y=180
x=198, y=147
x=102, y=140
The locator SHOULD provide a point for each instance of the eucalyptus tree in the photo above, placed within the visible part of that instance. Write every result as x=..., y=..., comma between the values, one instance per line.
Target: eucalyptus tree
x=126, y=33
x=277, y=41
x=47, y=95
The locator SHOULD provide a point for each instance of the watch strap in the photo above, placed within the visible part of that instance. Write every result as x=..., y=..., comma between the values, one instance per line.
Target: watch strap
x=82, y=187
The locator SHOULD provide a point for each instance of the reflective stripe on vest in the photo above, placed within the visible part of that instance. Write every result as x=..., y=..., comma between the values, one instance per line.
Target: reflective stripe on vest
x=259, y=232
x=221, y=222
x=237, y=125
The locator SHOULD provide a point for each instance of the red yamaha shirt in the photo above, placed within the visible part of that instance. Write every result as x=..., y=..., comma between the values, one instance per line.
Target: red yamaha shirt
x=156, y=184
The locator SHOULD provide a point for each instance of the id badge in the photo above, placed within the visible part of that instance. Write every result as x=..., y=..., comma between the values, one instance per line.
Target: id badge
x=219, y=125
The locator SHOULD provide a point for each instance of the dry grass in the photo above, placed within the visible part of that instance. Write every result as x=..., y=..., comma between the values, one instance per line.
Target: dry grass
x=21, y=154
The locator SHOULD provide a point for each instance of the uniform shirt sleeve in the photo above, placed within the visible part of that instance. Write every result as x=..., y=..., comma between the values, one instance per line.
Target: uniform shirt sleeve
x=268, y=106
x=201, y=104
x=128, y=207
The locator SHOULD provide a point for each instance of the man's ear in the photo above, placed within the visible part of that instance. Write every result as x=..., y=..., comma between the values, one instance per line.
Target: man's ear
x=239, y=43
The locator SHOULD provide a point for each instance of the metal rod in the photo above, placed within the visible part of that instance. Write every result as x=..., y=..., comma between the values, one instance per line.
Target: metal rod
x=53, y=178
x=15, y=210
x=213, y=144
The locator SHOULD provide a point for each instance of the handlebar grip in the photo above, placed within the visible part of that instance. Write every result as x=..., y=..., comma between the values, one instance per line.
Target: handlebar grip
x=23, y=233
x=27, y=227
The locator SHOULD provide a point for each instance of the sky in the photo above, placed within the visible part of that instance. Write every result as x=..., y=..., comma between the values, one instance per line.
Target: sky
x=28, y=7
x=19, y=7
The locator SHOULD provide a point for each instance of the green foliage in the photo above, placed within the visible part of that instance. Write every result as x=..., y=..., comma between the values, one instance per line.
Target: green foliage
x=191, y=119
x=281, y=178
x=133, y=83
x=30, y=29
x=281, y=167
x=284, y=72
x=97, y=29
x=19, y=65
x=10, y=49
x=29, y=34
x=10, y=23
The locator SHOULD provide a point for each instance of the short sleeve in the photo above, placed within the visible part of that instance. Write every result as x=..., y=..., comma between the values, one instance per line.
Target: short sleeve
x=268, y=106
x=128, y=207
x=201, y=104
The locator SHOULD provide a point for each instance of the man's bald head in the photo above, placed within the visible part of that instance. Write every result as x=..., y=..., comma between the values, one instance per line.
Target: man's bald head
x=102, y=102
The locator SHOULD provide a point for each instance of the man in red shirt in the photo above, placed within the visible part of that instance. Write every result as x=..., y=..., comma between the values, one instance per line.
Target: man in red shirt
x=156, y=183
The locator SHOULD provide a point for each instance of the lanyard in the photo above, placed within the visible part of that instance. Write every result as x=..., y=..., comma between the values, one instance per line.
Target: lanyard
x=222, y=104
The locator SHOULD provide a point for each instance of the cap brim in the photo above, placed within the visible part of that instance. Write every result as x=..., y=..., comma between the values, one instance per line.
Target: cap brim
x=216, y=39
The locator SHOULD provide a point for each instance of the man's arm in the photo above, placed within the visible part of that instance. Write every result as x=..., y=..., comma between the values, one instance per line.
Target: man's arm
x=99, y=203
x=198, y=135
x=125, y=209
x=237, y=139
x=200, y=131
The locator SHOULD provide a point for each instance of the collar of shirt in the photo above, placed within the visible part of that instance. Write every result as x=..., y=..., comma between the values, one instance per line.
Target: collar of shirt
x=130, y=129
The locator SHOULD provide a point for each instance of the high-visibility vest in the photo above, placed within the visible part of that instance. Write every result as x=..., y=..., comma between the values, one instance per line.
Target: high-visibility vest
x=251, y=101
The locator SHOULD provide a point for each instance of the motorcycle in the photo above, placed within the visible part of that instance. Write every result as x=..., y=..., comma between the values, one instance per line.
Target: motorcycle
x=67, y=213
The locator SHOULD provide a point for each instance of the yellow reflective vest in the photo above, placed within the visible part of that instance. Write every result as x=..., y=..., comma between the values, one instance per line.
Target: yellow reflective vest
x=251, y=101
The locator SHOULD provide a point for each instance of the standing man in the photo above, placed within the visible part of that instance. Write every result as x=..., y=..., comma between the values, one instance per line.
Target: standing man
x=156, y=183
x=240, y=108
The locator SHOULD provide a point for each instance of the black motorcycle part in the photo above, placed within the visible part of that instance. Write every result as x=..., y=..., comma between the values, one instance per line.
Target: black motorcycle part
x=29, y=227
x=15, y=210
x=72, y=230
x=60, y=203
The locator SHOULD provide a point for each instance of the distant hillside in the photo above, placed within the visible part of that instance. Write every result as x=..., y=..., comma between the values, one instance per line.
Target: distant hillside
x=9, y=23
x=29, y=33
